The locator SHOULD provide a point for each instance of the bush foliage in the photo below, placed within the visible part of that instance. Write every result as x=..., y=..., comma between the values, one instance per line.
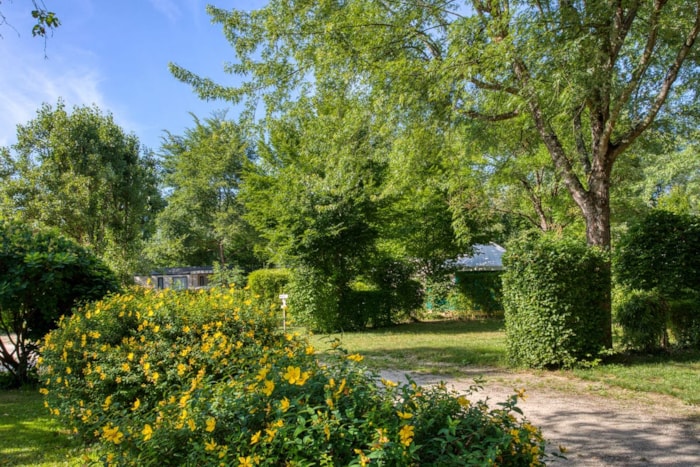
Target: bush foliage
x=658, y=266
x=643, y=315
x=269, y=284
x=483, y=290
x=42, y=276
x=204, y=378
x=554, y=294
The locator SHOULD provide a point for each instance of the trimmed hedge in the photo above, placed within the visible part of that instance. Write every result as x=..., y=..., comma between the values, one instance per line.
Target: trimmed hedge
x=268, y=284
x=556, y=294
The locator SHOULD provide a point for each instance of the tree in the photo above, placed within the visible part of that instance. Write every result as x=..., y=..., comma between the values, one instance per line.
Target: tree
x=45, y=19
x=203, y=220
x=80, y=173
x=588, y=78
x=42, y=277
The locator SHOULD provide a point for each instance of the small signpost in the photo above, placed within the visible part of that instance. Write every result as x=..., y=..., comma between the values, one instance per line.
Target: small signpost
x=284, y=298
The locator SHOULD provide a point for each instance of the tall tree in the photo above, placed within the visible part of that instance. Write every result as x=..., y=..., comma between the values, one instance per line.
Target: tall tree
x=80, y=173
x=589, y=77
x=202, y=222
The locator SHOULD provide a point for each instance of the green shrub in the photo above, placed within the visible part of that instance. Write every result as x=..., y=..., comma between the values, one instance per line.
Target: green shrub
x=161, y=377
x=555, y=293
x=661, y=252
x=42, y=276
x=314, y=300
x=269, y=284
x=483, y=290
x=685, y=321
x=660, y=255
x=642, y=315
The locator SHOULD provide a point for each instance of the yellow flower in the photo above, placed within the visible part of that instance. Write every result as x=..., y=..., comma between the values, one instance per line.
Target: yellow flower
x=284, y=404
x=44, y=391
x=356, y=357
x=245, y=461
x=112, y=434
x=147, y=432
x=255, y=438
x=107, y=403
x=406, y=435
x=404, y=415
x=210, y=445
x=463, y=401
x=125, y=367
x=137, y=404
x=269, y=387
x=270, y=434
x=310, y=350
x=327, y=432
x=294, y=375
x=130, y=357
x=192, y=426
x=521, y=394
x=211, y=424
x=68, y=370
x=181, y=368
x=388, y=383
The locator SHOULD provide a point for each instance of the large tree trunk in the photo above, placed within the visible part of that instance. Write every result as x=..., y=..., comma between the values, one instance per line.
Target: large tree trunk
x=596, y=212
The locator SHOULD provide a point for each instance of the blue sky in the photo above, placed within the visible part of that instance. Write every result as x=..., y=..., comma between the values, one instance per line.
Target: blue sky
x=114, y=54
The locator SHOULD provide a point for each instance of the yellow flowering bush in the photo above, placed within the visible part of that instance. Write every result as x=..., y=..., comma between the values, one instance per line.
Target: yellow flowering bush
x=208, y=378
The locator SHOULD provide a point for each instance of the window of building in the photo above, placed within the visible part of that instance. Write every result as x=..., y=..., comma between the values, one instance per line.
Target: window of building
x=202, y=281
x=180, y=282
x=161, y=283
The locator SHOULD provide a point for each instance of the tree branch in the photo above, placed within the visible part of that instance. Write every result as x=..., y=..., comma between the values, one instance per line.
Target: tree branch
x=628, y=138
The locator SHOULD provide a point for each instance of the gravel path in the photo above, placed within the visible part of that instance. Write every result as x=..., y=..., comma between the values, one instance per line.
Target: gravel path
x=597, y=424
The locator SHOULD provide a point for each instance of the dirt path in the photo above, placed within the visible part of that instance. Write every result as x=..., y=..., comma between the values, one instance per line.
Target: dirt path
x=597, y=424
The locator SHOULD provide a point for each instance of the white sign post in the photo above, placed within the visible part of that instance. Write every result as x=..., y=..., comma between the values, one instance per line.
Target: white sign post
x=284, y=298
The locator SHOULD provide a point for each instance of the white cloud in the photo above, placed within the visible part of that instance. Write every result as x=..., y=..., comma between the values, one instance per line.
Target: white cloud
x=168, y=8
x=28, y=81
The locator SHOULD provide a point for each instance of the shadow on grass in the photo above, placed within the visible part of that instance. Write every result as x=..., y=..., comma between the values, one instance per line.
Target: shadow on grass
x=27, y=435
x=443, y=327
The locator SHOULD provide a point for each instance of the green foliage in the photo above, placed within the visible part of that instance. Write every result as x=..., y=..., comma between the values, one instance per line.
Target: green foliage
x=203, y=220
x=685, y=321
x=660, y=252
x=268, y=284
x=483, y=290
x=80, y=173
x=554, y=297
x=42, y=277
x=643, y=316
x=224, y=275
x=314, y=300
x=204, y=378
x=658, y=255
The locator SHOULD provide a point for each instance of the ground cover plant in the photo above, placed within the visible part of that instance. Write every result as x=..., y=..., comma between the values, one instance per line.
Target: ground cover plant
x=207, y=378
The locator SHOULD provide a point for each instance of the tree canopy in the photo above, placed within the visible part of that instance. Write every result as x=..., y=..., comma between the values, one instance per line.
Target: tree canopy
x=79, y=172
x=203, y=220
x=587, y=78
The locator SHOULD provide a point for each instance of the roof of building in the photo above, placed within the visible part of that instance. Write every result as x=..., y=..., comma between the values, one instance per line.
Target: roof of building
x=485, y=258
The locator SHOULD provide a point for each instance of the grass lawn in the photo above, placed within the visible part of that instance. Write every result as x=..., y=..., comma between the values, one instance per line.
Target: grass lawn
x=29, y=437
x=443, y=347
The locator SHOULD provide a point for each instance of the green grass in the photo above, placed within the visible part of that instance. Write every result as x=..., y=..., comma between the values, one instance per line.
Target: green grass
x=444, y=347
x=436, y=347
x=676, y=374
x=28, y=436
